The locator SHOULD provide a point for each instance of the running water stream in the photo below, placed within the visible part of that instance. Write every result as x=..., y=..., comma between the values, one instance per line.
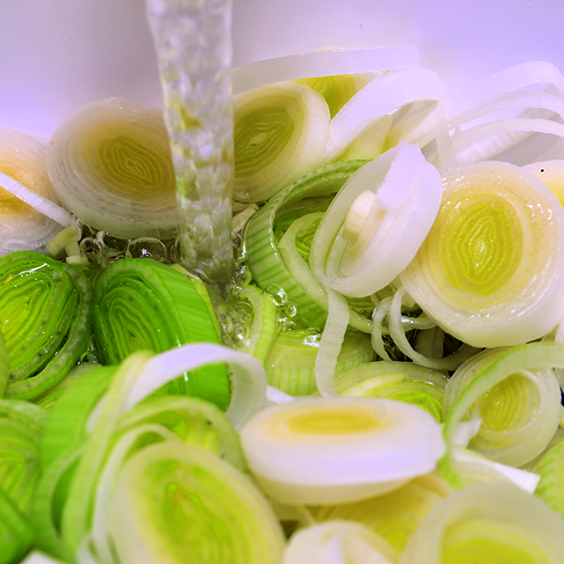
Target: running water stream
x=193, y=45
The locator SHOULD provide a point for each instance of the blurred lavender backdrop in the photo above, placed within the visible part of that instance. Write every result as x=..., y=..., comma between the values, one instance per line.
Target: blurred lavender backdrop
x=57, y=55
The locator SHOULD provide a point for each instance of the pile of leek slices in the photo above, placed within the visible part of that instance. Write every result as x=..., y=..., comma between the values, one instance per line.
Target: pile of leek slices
x=383, y=383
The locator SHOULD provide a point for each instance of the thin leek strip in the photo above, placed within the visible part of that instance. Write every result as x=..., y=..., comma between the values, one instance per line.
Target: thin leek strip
x=166, y=527
x=25, y=226
x=257, y=338
x=4, y=363
x=533, y=356
x=490, y=522
x=467, y=143
x=46, y=307
x=549, y=468
x=490, y=271
x=333, y=450
x=141, y=304
x=397, y=332
x=338, y=541
x=280, y=134
x=394, y=516
x=193, y=420
x=263, y=256
x=377, y=222
x=383, y=96
x=507, y=80
x=110, y=165
x=328, y=62
x=248, y=380
x=290, y=364
x=399, y=381
x=331, y=344
x=371, y=143
x=377, y=332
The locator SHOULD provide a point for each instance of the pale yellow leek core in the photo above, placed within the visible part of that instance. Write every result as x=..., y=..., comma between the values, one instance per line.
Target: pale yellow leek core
x=126, y=165
x=491, y=269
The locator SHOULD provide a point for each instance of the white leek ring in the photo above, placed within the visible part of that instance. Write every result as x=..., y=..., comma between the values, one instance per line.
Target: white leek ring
x=491, y=271
x=280, y=134
x=110, y=164
x=333, y=450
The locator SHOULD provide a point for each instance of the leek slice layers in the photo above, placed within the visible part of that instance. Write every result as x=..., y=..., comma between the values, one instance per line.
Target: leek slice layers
x=46, y=308
x=491, y=271
x=110, y=164
x=141, y=304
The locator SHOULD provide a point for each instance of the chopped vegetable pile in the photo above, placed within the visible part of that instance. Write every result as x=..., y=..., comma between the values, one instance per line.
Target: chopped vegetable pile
x=379, y=380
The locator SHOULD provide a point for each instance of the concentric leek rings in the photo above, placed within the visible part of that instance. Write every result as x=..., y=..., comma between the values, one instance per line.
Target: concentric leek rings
x=491, y=271
x=110, y=165
x=46, y=310
x=280, y=134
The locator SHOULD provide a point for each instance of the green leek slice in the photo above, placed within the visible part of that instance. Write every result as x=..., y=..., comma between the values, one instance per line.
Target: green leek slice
x=46, y=307
x=141, y=304
x=262, y=235
x=290, y=364
x=280, y=134
x=395, y=515
x=550, y=468
x=490, y=523
x=399, y=381
x=491, y=270
x=110, y=165
x=22, y=157
x=334, y=450
x=177, y=503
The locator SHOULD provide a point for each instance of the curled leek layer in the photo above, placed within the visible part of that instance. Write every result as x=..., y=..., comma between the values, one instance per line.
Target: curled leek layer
x=376, y=224
x=285, y=273
x=488, y=523
x=175, y=503
x=280, y=134
x=322, y=451
x=395, y=515
x=142, y=304
x=290, y=363
x=491, y=271
x=22, y=157
x=110, y=165
x=517, y=416
x=399, y=381
x=348, y=542
x=21, y=426
x=46, y=308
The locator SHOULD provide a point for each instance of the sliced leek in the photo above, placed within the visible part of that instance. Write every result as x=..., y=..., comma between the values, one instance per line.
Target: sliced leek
x=551, y=173
x=488, y=523
x=110, y=164
x=325, y=62
x=141, y=304
x=311, y=193
x=398, y=381
x=491, y=270
x=339, y=541
x=290, y=364
x=23, y=226
x=177, y=503
x=333, y=450
x=377, y=222
x=280, y=134
x=395, y=515
x=46, y=308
